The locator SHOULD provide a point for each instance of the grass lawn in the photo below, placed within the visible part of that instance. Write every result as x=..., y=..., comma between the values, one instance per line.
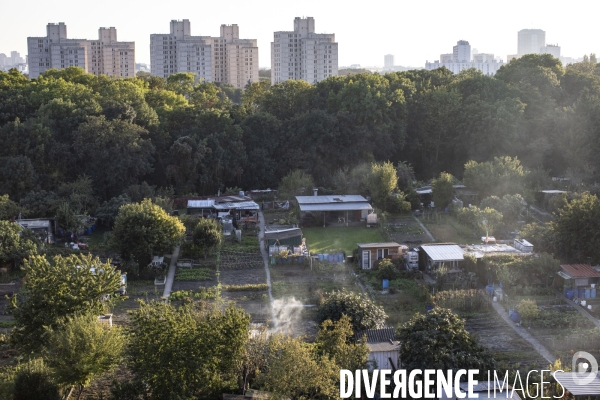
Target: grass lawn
x=447, y=229
x=323, y=240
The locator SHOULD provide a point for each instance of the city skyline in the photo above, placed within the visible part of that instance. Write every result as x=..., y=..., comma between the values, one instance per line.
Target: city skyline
x=412, y=41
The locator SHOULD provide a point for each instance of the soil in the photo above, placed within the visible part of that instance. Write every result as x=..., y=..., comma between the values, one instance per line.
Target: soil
x=405, y=230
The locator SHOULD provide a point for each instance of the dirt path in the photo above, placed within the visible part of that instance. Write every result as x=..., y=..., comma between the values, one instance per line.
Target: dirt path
x=581, y=310
x=424, y=229
x=265, y=255
x=524, y=334
x=171, y=273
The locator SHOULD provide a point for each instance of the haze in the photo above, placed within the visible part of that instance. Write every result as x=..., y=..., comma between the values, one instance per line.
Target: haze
x=413, y=31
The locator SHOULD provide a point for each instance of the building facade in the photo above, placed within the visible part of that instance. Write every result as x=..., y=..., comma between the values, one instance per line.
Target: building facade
x=105, y=56
x=462, y=59
x=303, y=54
x=530, y=41
x=226, y=58
x=388, y=61
x=552, y=49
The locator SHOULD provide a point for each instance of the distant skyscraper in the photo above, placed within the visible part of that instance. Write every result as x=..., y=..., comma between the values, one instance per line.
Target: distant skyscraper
x=462, y=52
x=105, y=56
x=303, y=54
x=226, y=58
x=530, y=41
x=460, y=60
x=388, y=61
x=552, y=49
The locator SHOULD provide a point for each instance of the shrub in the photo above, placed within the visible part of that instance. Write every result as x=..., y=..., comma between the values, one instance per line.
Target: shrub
x=33, y=381
x=387, y=270
x=363, y=312
x=247, y=287
x=196, y=274
x=528, y=310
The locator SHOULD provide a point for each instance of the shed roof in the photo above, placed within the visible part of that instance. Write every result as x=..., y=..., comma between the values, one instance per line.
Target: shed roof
x=481, y=391
x=378, y=245
x=242, y=205
x=336, y=207
x=34, y=223
x=333, y=199
x=568, y=381
x=283, y=233
x=377, y=335
x=580, y=271
x=444, y=252
x=385, y=346
x=201, y=203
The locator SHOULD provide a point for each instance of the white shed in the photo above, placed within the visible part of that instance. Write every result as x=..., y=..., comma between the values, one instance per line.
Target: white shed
x=383, y=347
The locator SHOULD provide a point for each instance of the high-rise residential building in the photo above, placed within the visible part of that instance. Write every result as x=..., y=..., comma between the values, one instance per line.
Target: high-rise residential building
x=303, y=54
x=552, y=49
x=388, y=61
x=226, y=58
x=105, y=56
x=530, y=41
x=462, y=59
x=461, y=52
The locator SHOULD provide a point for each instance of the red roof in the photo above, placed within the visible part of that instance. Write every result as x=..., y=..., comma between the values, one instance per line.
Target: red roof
x=580, y=271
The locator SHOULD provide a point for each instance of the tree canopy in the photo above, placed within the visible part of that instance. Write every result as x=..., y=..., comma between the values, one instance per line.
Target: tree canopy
x=361, y=310
x=144, y=229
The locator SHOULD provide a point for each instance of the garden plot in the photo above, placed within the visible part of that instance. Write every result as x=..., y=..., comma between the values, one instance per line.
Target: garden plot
x=406, y=230
x=505, y=344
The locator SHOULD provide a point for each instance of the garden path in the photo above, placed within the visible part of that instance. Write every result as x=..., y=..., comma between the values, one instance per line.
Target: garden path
x=524, y=334
x=171, y=273
x=581, y=310
x=424, y=229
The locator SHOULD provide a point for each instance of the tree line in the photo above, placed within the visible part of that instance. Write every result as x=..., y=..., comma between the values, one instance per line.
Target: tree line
x=197, y=137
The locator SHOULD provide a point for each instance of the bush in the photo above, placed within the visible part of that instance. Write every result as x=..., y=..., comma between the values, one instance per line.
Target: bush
x=363, y=312
x=397, y=205
x=34, y=382
x=247, y=287
x=387, y=270
x=528, y=310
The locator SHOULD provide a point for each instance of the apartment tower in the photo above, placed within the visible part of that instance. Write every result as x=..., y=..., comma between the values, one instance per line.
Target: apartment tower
x=105, y=56
x=226, y=58
x=530, y=41
x=303, y=54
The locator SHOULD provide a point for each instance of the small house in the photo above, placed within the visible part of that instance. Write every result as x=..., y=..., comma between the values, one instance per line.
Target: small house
x=371, y=252
x=384, y=349
x=582, y=279
x=42, y=228
x=447, y=255
x=283, y=237
x=240, y=207
x=337, y=208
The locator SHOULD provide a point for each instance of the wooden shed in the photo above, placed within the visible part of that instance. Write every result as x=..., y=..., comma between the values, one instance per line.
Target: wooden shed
x=383, y=347
x=371, y=252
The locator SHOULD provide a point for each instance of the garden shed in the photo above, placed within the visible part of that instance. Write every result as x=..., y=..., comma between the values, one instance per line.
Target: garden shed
x=447, y=255
x=571, y=381
x=341, y=208
x=371, y=252
x=581, y=279
x=383, y=347
x=283, y=237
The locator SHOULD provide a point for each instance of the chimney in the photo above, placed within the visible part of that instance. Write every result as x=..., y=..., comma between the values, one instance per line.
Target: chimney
x=315, y=191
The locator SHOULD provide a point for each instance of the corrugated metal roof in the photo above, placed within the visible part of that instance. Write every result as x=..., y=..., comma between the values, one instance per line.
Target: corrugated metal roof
x=377, y=335
x=580, y=271
x=201, y=203
x=378, y=245
x=335, y=199
x=336, y=207
x=34, y=223
x=568, y=380
x=444, y=252
x=242, y=205
x=383, y=346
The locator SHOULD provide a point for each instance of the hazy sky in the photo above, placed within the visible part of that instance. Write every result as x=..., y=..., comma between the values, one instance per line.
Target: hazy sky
x=414, y=31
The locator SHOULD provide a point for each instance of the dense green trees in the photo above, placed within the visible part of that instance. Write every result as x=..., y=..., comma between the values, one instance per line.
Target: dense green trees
x=187, y=352
x=438, y=340
x=207, y=235
x=54, y=290
x=442, y=190
x=16, y=244
x=199, y=137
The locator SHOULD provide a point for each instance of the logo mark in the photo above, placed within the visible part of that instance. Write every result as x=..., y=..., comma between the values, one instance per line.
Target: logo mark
x=582, y=377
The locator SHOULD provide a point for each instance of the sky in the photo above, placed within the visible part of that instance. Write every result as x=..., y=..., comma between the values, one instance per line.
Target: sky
x=413, y=31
